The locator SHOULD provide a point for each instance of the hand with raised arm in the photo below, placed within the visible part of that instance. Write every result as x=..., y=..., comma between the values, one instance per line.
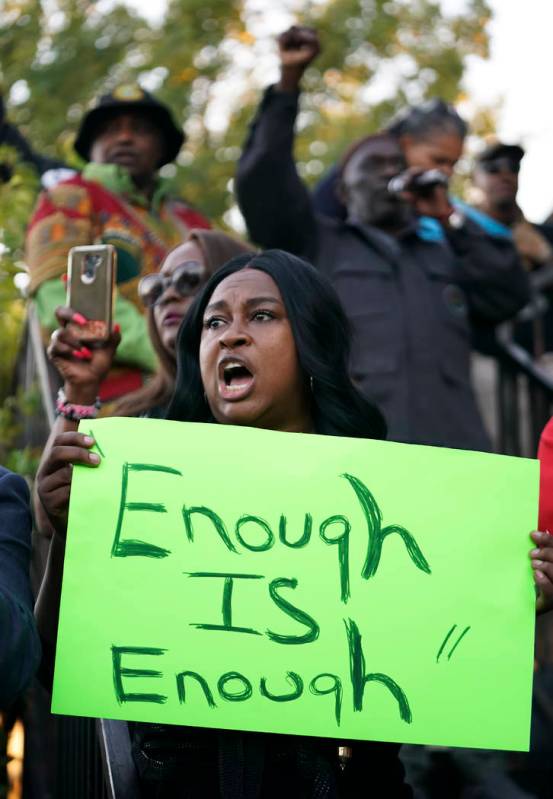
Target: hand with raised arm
x=297, y=47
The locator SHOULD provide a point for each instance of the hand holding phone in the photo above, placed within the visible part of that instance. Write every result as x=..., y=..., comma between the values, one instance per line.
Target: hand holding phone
x=90, y=287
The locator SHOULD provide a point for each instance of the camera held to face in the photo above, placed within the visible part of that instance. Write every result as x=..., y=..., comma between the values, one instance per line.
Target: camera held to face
x=422, y=184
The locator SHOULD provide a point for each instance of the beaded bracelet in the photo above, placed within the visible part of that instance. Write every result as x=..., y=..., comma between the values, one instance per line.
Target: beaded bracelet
x=74, y=412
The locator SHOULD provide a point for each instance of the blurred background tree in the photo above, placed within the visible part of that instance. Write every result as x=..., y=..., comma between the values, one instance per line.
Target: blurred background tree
x=209, y=59
x=203, y=59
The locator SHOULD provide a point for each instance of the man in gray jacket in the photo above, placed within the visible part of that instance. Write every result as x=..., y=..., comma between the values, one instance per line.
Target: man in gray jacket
x=19, y=644
x=411, y=290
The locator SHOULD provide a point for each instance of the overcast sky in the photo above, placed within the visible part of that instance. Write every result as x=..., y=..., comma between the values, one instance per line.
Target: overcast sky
x=518, y=74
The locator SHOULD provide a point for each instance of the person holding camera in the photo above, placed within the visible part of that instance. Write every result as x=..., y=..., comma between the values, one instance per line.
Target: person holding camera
x=411, y=291
x=431, y=135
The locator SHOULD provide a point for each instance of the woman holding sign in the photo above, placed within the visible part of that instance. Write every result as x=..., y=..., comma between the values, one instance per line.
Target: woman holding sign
x=264, y=345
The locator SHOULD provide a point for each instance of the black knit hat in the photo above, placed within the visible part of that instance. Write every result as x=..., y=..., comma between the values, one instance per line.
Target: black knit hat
x=130, y=97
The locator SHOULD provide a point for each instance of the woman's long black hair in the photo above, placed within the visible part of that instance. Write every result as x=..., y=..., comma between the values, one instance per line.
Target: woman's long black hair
x=322, y=335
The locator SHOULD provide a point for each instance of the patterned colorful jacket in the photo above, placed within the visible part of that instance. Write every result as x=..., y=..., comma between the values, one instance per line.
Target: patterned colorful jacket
x=101, y=206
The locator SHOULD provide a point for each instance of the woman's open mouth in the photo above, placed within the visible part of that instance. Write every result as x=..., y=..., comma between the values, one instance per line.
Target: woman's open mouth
x=235, y=380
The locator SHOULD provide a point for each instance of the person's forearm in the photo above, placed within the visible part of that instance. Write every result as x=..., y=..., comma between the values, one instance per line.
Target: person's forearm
x=275, y=203
x=290, y=79
x=43, y=525
x=20, y=651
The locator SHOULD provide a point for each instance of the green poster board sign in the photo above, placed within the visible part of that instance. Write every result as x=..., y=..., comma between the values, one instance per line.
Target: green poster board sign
x=246, y=579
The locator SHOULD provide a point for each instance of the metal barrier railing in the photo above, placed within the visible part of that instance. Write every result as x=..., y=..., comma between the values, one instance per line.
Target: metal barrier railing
x=524, y=389
x=79, y=772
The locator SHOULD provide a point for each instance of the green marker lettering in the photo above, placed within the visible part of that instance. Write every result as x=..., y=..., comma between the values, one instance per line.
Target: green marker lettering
x=226, y=608
x=359, y=678
x=119, y=672
x=213, y=517
x=335, y=688
x=200, y=680
x=377, y=533
x=343, y=551
x=294, y=613
x=293, y=679
x=242, y=694
x=130, y=546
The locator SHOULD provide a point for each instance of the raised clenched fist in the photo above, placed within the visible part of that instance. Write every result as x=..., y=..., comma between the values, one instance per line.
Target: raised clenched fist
x=297, y=48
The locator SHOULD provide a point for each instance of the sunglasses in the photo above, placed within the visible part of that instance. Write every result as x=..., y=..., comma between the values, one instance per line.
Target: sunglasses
x=185, y=280
x=497, y=165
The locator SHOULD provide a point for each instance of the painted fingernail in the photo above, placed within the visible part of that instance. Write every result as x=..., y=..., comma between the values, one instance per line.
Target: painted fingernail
x=537, y=564
x=93, y=458
x=116, y=328
x=78, y=354
x=64, y=278
x=79, y=318
x=86, y=352
x=88, y=440
x=534, y=553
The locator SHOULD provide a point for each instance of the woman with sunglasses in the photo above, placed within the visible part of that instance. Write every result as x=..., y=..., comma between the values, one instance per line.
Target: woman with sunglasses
x=166, y=296
x=256, y=312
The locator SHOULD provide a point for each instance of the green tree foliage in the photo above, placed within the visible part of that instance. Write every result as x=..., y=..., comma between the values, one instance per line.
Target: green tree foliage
x=57, y=55
x=17, y=198
x=64, y=52
x=378, y=56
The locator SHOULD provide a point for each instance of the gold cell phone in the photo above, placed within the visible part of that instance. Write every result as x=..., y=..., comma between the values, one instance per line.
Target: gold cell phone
x=90, y=287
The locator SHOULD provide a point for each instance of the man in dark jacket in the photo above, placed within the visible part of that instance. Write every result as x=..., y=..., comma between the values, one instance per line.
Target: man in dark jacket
x=495, y=177
x=496, y=208
x=410, y=292
x=19, y=645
